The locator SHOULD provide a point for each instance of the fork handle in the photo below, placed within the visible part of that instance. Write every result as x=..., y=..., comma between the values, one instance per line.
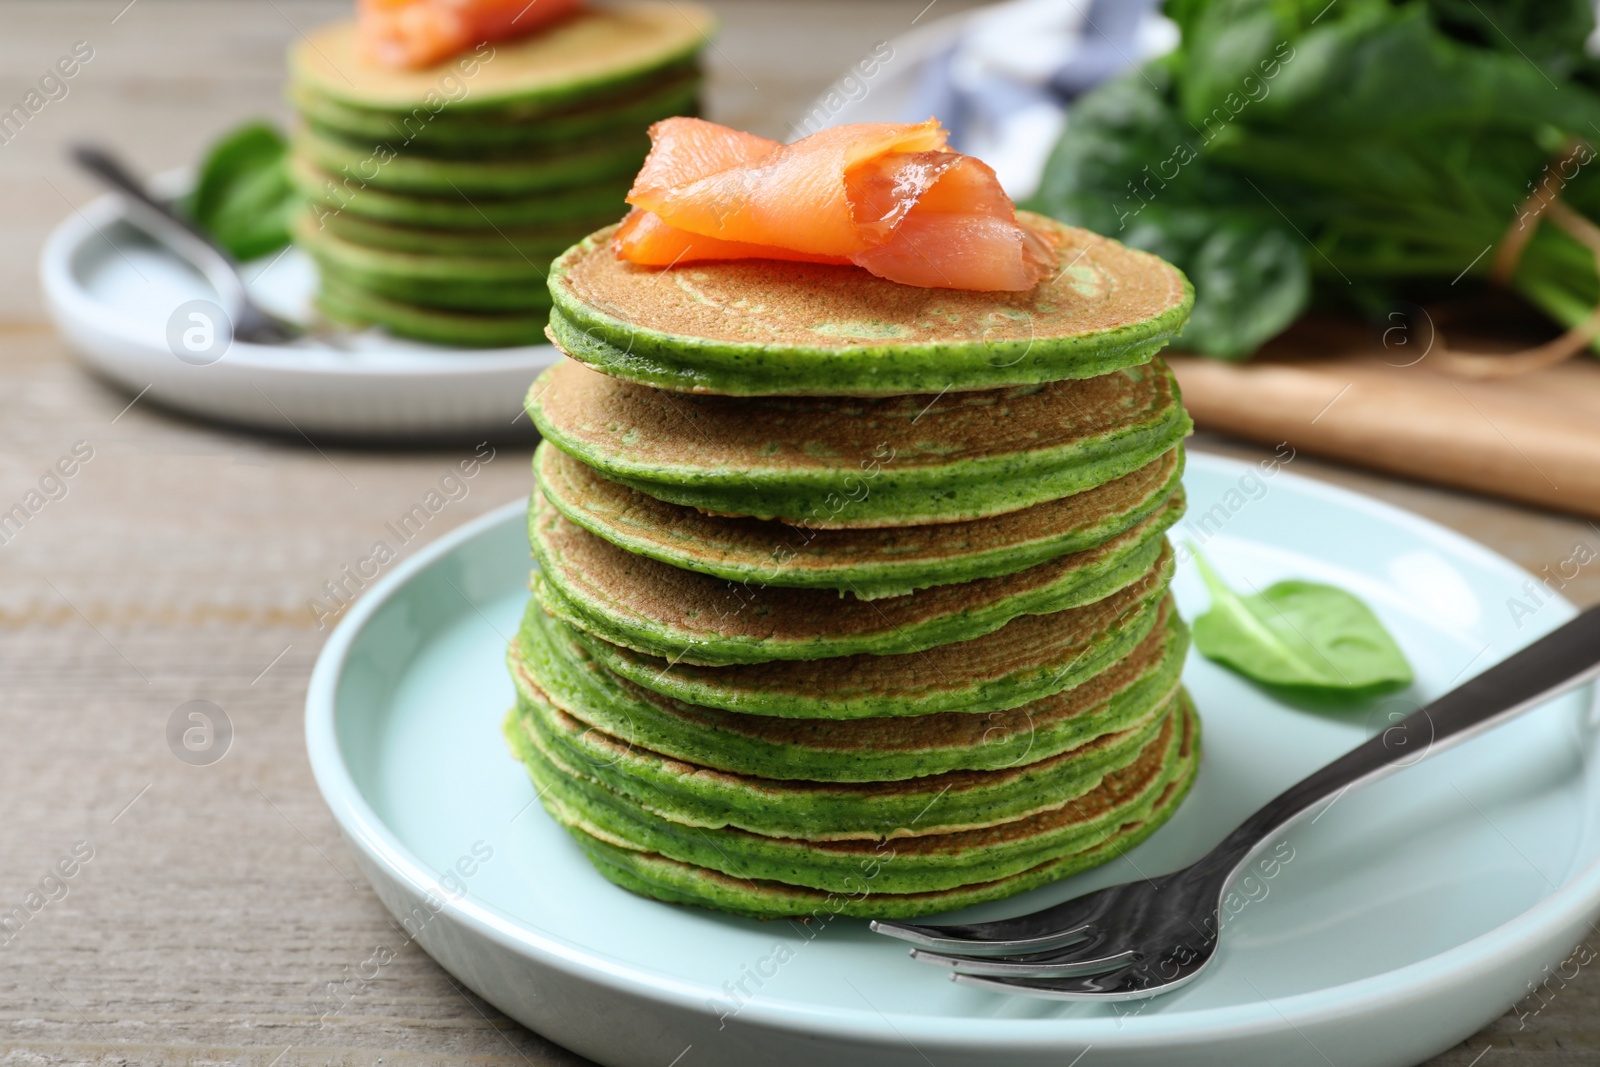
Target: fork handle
x=170, y=228
x=1561, y=660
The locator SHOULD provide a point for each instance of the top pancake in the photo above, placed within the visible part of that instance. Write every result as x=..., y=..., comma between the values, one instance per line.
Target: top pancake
x=594, y=51
x=761, y=327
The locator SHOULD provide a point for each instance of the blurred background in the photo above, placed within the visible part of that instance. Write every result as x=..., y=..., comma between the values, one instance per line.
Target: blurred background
x=178, y=564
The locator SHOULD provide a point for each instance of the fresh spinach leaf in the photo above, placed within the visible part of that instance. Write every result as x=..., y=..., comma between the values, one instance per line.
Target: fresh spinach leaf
x=1300, y=636
x=1551, y=33
x=1137, y=171
x=1255, y=282
x=242, y=196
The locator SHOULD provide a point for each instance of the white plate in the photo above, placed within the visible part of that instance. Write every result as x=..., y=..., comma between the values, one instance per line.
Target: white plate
x=1412, y=912
x=112, y=292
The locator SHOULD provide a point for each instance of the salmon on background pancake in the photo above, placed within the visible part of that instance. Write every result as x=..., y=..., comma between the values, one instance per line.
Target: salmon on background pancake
x=686, y=617
x=867, y=563
x=597, y=52
x=409, y=34
x=863, y=462
x=548, y=658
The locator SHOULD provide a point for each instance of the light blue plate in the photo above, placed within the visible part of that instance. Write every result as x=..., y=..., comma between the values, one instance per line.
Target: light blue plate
x=1405, y=916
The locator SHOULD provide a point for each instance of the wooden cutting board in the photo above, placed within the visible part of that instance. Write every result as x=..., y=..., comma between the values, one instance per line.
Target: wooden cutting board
x=1334, y=390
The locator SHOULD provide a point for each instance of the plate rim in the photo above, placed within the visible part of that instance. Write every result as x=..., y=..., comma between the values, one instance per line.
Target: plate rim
x=72, y=307
x=1573, y=901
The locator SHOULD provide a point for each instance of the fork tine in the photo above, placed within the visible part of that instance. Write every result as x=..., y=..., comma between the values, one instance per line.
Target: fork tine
x=1049, y=928
x=1099, y=987
x=947, y=939
x=1092, y=945
x=1049, y=967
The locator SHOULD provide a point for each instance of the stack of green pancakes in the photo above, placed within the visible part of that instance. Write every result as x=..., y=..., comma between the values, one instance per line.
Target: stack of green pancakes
x=437, y=198
x=851, y=596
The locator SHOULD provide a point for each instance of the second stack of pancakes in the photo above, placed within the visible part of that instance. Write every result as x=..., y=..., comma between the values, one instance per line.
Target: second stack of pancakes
x=881, y=655
x=437, y=197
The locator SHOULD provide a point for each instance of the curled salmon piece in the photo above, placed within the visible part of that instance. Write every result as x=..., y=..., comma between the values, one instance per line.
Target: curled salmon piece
x=408, y=34
x=950, y=226
x=888, y=197
x=643, y=238
x=698, y=149
x=684, y=150
x=794, y=196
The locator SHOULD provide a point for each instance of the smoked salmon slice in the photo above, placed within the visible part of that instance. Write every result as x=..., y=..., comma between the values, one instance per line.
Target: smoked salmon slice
x=956, y=229
x=644, y=238
x=699, y=149
x=889, y=197
x=419, y=33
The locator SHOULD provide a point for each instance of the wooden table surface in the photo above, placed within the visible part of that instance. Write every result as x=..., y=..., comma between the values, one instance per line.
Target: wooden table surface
x=219, y=901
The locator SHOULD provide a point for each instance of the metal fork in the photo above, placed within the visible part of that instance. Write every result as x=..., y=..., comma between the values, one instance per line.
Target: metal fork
x=1148, y=937
x=249, y=322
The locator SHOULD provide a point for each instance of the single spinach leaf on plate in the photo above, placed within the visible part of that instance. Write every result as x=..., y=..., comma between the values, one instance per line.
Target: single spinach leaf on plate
x=1300, y=636
x=242, y=197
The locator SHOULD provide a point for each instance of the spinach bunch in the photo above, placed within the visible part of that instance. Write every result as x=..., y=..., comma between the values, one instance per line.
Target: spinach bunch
x=1352, y=154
